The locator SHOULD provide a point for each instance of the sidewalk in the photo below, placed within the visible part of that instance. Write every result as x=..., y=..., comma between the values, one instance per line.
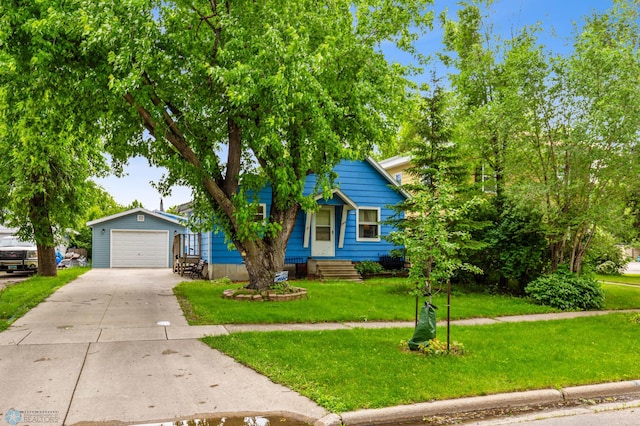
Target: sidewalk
x=113, y=347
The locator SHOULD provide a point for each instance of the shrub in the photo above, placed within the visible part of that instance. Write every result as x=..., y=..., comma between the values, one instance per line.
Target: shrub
x=608, y=268
x=510, y=250
x=567, y=291
x=604, y=255
x=369, y=267
x=436, y=347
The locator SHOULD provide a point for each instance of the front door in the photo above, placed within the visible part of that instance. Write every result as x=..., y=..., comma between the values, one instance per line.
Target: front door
x=322, y=233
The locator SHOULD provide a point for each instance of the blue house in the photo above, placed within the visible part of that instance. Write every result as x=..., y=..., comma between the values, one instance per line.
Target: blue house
x=347, y=228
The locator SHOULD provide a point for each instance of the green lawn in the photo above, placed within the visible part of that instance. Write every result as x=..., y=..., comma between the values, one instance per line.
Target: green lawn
x=621, y=297
x=624, y=279
x=354, y=369
x=373, y=300
x=17, y=299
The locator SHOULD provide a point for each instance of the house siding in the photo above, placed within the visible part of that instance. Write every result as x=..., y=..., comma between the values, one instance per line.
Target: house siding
x=358, y=180
x=102, y=241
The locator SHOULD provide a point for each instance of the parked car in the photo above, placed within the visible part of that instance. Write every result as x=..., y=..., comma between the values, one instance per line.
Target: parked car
x=17, y=255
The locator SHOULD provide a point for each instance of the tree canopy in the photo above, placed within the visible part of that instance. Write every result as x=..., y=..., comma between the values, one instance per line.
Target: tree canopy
x=232, y=96
x=49, y=142
x=559, y=132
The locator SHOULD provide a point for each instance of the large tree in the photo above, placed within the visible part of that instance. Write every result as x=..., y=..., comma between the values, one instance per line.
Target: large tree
x=577, y=154
x=49, y=147
x=477, y=62
x=233, y=96
x=560, y=131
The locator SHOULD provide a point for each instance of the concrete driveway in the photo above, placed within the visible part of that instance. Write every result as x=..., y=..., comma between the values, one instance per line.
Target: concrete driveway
x=632, y=268
x=113, y=346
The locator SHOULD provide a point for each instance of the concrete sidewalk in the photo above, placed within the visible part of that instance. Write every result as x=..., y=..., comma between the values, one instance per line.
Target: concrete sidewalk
x=114, y=347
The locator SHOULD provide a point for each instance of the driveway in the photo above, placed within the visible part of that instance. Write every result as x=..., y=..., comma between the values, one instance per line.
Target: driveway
x=632, y=268
x=113, y=346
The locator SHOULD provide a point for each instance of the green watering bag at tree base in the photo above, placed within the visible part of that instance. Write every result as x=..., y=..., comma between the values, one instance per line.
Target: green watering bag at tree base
x=426, y=328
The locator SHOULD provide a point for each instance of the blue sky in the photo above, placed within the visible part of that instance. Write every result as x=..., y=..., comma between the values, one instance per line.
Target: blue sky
x=557, y=18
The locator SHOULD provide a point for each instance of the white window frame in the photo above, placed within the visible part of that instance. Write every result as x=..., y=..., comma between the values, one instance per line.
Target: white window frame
x=262, y=211
x=377, y=223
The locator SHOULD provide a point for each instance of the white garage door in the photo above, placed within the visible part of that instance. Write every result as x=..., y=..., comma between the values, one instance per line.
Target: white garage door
x=139, y=249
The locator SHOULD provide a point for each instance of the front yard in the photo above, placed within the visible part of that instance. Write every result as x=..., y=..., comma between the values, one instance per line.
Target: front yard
x=352, y=369
x=374, y=300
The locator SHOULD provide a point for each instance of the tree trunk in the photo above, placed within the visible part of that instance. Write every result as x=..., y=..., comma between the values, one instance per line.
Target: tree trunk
x=556, y=249
x=47, y=261
x=263, y=258
x=262, y=262
x=43, y=232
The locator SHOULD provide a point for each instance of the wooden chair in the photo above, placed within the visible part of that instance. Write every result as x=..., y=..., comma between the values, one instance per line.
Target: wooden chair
x=195, y=271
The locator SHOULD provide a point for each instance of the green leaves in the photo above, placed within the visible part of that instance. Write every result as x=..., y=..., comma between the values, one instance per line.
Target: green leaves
x=52, y=146
x=559, y=133
x=304, y=86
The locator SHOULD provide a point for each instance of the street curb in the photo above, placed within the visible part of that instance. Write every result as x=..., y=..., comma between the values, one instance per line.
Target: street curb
x=603, y=389
x=417, y=412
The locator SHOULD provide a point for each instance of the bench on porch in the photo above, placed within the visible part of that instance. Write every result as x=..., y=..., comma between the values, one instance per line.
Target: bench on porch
x=185, y=264
x=195, y=270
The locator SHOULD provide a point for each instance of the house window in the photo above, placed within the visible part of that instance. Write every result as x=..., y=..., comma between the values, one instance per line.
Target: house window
x=368, y=224
x=261, y=215
x=140, y=218
x=398, y=177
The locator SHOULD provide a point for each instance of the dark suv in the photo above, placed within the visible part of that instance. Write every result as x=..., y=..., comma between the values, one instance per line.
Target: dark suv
x=16, y=255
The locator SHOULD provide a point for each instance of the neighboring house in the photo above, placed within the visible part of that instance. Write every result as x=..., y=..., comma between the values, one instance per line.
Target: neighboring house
x=349, y=225
x=137, y=238
x=398, y=167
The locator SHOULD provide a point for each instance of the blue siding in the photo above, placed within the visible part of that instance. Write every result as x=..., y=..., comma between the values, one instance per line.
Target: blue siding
x=359, y=181
x=102, y=242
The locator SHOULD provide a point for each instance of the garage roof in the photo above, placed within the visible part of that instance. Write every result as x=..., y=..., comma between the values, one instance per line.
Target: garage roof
x=178, y=220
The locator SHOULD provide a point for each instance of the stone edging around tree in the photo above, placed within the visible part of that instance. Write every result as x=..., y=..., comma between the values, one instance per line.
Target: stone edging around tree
x=296, y=293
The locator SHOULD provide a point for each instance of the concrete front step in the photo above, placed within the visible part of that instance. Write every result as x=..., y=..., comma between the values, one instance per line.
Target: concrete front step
x=337, y=269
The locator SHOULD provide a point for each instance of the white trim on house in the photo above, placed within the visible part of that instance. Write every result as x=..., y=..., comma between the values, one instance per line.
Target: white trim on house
x=387, y=176
x=376, y=223
x=262, y=211
x=172, y=218
x=349, y=205
x=398, y=160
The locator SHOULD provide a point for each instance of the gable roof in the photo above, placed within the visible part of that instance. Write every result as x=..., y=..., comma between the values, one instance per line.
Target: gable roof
x=398, y=160
x=160, y=215
x=387, y=176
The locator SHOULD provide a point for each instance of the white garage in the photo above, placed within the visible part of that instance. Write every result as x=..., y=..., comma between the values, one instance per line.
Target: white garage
x=137, y=238
x=139, y=249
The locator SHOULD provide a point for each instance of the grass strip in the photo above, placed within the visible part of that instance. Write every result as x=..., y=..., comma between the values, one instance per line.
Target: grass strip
x=622, y=279
x=373, y=300
x=621, y=297
x=17, y=299
x=355, y=369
